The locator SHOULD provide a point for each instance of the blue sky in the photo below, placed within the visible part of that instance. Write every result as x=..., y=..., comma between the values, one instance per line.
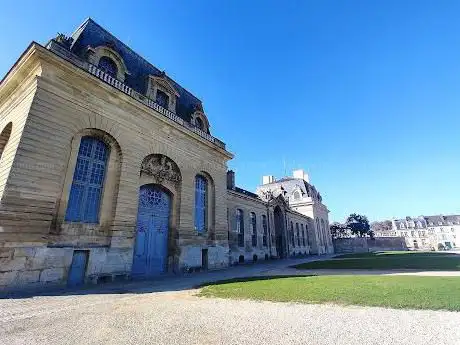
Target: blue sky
x=364, y=95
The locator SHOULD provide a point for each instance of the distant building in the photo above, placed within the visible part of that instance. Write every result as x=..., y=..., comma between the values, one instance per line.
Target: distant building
x=303, y=198
x=425, y=232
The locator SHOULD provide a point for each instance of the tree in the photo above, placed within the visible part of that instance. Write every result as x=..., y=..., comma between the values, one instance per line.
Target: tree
x=358, y=224
x=385, y=225
x=338, y=230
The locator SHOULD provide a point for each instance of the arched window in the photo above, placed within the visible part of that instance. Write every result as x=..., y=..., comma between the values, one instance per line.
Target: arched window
x=307, y=238
x=228, y=225
x=240, y=227
x=88, y=181
x=303, y=235
x=162, y=99
x=324, y=232
x=4, y=137
x=108, y=66
x=318, y=231
x=199, y=123
x=296, y=195
x=265, y=227
x=298, y=233
x=292, y=235
x=254, y=229
x=201, y=203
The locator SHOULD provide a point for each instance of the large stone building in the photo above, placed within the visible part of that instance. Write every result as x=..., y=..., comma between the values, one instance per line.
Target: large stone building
x=108, y=170
x=425, y=232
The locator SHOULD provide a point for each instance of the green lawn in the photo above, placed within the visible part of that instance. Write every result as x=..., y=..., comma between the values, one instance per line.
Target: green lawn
x=389, y=261
x=371, y=290
x=389, y=253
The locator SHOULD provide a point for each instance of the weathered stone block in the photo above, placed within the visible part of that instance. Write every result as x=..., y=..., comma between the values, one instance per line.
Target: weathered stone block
x=190, y=256
x=217, y=257
x=50, y=258
x=6, y=253
x=7, y=278
x=52, y=275
x=16, y=264
x=26, y=251
x=28, y=277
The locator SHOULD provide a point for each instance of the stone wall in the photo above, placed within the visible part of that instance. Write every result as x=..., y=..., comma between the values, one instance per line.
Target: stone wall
x=248, y=252
x=296, y=245
x=50, y=112
x=362, y=245
x=260, y=208
x=33, y=266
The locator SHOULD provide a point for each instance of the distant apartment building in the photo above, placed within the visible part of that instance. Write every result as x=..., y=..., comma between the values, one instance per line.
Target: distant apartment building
x=425, y=232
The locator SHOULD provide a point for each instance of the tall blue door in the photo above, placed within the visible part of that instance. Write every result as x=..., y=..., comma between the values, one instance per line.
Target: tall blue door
x=151, y=247
x=77, y=268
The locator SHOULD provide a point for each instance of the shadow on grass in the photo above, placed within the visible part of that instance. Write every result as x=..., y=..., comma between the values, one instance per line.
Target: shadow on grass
x=250, y=279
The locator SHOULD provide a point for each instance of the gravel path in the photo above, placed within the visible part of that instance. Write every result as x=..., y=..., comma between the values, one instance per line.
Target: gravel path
x=181, y=318
x=167, y=312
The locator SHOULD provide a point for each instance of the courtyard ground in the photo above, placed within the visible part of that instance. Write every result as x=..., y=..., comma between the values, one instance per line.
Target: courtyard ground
x=167, y=311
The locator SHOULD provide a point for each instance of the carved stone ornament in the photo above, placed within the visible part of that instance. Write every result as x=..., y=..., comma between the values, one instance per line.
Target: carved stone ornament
x=64, y=40
x=161, y=168
x=267, y=195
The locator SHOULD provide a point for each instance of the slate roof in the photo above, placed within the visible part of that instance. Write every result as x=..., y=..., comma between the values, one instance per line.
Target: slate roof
x=246, y=192
x=92, y=34
x=427, y=221
x=444, y=220
x=288, y=185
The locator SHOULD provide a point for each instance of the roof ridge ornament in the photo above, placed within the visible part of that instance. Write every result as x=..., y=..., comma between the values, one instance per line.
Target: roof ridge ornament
x=198, y=107
x=64, y=40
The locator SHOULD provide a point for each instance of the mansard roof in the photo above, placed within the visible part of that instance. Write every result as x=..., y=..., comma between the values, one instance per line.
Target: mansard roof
x=443, y=220
x=287, y=185
x=246, y=192
x=427, y=221
x=91, y=34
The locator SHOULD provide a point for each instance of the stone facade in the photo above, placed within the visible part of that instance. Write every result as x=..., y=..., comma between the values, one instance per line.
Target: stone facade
x=55, y=96
x=303, y=198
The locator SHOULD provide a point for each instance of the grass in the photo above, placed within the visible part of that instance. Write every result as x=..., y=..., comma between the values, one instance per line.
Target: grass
x=389, y=253
x=389, y=261
x=408, y=292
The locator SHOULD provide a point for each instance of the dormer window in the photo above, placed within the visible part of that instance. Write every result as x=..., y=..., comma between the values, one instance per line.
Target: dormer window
x=199, y=120
x=162, y=91
x=296, y=195
x=162, y=99
x=109, y=61
x=199, y=123
x=108, y=66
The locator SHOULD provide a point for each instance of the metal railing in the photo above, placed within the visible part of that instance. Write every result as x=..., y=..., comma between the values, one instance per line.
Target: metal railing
x=97, y=72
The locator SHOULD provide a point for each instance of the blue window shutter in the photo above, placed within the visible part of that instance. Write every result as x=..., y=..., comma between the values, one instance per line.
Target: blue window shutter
x=88, y=181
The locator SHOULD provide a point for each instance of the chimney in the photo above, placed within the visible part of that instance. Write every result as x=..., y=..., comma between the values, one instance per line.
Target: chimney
x=301, y=174
x=230, y=179
x=268, y=179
